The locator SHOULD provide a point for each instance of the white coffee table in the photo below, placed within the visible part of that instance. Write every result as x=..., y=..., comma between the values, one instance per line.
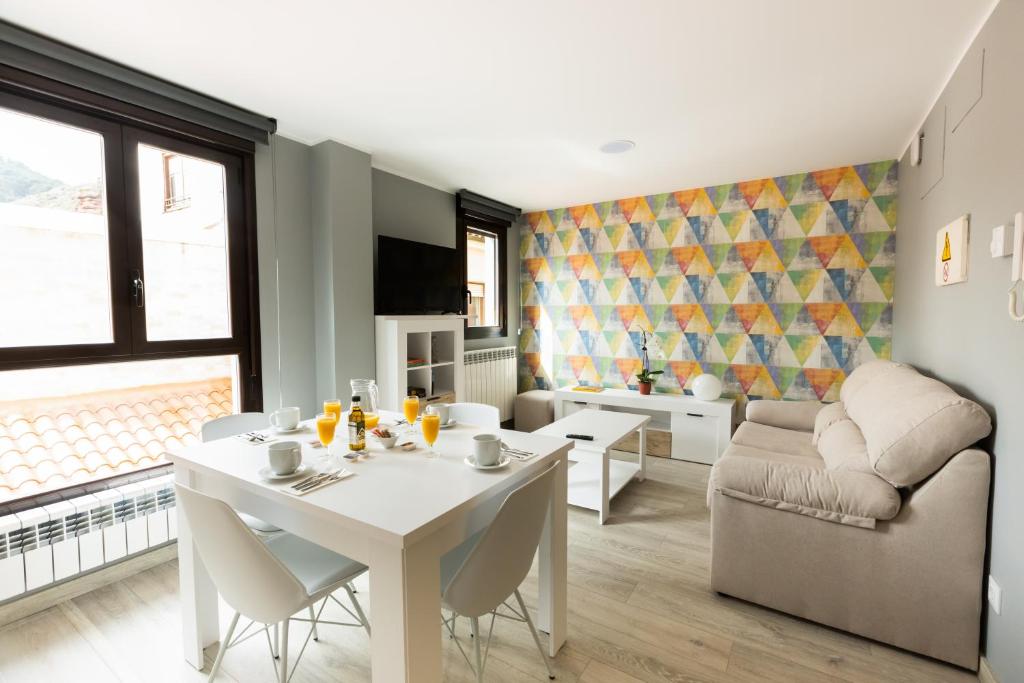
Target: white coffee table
x=594, y=478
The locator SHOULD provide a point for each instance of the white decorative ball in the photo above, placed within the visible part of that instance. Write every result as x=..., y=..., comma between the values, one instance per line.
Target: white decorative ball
x=707, y=387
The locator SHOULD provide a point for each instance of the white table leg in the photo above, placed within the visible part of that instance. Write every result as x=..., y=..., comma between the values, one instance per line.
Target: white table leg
x=198, y=595
x=552, y=615
x=604, y=512
x=643, y=452
x=405, y=613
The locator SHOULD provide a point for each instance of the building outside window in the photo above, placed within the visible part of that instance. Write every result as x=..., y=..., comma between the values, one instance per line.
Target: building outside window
x=174, y=182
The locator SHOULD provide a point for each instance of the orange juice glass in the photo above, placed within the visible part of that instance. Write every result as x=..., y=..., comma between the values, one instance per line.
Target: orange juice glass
x=326, y=423
x=411, y=408
x=430, y=424
x=371, y=420
x=333, y=406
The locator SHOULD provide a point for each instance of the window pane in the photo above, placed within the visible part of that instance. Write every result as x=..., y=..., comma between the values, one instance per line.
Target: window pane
x=70, y=425
x=184, y=246
x=482, y=278
x=54, y=259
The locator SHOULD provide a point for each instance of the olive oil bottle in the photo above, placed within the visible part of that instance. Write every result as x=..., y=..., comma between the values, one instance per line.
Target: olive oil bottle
x=356, y=426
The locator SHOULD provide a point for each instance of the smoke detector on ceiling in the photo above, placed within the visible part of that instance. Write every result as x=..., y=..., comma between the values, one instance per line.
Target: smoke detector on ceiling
x=617, y=146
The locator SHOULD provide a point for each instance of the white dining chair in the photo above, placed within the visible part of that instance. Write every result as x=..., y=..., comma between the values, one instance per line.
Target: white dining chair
x=478, y=414
x=230, y=425
x=485, y=571
x=266, y=581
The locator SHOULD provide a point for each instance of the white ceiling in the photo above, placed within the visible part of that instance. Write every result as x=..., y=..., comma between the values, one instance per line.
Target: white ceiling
x=512, y=99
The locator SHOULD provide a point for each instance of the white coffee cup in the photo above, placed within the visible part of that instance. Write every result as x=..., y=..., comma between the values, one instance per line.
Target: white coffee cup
x=285, y=418
x=486, y=449
x=285, y=456
x=442, y=410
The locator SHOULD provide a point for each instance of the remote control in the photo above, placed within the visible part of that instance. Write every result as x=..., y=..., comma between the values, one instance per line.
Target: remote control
x=581, y=437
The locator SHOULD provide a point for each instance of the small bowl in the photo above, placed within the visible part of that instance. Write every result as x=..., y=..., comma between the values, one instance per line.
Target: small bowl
x=388, y=442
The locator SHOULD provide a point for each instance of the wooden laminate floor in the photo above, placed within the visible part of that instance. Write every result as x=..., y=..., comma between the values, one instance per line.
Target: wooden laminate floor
x=640, y=610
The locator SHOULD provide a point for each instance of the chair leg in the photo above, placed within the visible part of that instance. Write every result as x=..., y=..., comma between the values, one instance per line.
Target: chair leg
x=533, y=632
x=312, y=621
x=223, y=647
x=275, y=641
x=474, y=625
x=359, y=608
x=284, y=651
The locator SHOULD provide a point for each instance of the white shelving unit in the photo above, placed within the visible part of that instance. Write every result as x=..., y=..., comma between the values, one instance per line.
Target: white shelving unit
x=435, y=339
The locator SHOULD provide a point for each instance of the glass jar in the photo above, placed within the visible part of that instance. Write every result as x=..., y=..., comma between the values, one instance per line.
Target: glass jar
x=366, y=390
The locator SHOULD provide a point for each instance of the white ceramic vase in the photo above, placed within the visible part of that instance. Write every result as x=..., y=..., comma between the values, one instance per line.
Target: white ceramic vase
x=707, y=387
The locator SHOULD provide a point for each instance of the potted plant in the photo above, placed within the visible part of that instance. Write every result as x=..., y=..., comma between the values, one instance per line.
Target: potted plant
x=645, y=380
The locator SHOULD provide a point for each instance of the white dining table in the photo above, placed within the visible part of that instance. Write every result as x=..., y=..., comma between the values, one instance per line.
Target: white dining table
x=398, y=515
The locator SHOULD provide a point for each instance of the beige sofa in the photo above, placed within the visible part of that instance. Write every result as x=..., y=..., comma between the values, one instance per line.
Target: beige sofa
x=868, y=514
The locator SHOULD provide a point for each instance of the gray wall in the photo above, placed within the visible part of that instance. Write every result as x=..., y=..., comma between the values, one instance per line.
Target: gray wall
x=962, y=333
x=285, y=244
x=412, y=211
x=342, y=267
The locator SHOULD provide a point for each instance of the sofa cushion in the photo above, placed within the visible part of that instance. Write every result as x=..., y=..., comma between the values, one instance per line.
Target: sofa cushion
x=773, y=456
x=797, y=415
x=852, y=498
x=913, y=424
x=864, y=374
x=842, y=447
x=826, y=417
x=767, y=438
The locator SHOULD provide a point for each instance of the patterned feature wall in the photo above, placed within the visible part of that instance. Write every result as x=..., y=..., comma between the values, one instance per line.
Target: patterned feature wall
x=779, y=286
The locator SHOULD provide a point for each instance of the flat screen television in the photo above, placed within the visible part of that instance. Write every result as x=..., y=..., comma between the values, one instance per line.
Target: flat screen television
x=417, y=279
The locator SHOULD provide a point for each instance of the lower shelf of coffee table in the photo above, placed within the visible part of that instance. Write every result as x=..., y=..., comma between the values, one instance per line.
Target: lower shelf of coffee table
x=585, y=478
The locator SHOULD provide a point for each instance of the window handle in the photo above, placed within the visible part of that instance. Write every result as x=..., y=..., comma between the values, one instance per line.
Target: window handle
x=138, y=289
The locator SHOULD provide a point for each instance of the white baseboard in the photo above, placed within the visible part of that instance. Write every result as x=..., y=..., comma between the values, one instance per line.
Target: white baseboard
x=985, y=674
x=80, y=585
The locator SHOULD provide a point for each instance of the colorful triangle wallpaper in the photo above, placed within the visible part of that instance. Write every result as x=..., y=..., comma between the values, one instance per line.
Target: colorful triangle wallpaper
x=779, y=286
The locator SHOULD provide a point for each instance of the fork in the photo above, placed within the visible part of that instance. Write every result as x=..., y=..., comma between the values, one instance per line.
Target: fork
x=309, y=480
x=332, y=477
x=516, y=453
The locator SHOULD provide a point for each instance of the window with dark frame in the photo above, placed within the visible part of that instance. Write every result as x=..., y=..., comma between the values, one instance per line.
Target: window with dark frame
x=124, y=273
x=482, y=226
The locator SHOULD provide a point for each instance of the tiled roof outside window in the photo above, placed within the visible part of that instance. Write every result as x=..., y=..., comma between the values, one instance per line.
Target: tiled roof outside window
x=51, y=443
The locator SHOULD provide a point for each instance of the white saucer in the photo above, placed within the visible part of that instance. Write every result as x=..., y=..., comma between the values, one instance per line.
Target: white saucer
x=503, y=461
x=267, y=474
x=451, y=423
x=278, y=430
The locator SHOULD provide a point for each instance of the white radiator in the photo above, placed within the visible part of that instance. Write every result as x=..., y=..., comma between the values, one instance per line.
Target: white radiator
x=44, y=545
x=491, y=378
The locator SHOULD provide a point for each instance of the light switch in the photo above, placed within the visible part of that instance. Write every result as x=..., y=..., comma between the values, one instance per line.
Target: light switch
x=1002, y=241
x=995, y=595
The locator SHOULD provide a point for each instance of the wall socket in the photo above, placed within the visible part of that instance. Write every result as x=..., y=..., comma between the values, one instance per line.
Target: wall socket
x=995, y=595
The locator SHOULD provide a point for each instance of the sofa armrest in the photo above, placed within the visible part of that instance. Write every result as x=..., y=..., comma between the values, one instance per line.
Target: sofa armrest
x=843, y=496
x=798, y=415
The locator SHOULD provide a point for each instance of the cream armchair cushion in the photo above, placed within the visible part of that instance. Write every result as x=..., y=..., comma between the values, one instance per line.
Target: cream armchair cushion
x=843, y=496
x=798, y=415
x=863, y=375
x=826, y=417
x=842, y=447
x=911, y=424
